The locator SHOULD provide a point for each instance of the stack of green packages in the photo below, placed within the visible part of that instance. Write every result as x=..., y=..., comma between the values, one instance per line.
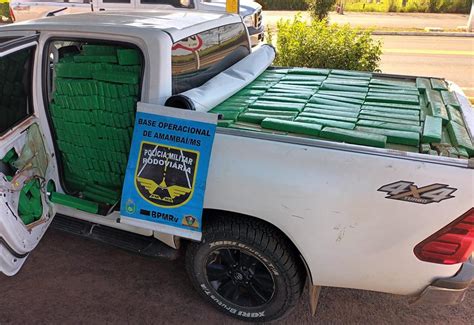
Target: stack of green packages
x=352, y=107
x=444, y=131
x=93, y=112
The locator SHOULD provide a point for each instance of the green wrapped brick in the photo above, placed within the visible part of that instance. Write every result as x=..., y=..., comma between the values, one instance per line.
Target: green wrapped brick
x=460, y=137
x=438, y=84
x=229, y=107
x=301, y=77
x=10, y=157
x=342, y=94
x=328, y=117
x=309, y=71
x=225, y=123
x=292, y=126
x=128, y=57
x=324, y=101
x=284, y=99
x=391, y=110
x=271, y=112
x=258, y=118
x=329, y=86
x=312, y=84
x=395, y=105
x=462, y=153
x=250, y=92
x=227, y=115
x=92, y=49
x=356, y=101
x=385, y=92
x=290, y=87
x=398, y=99
x=403, y=117
x=354, y=137
x=95, y=59
x=97, y=197
x=450, y=98
x=104, y=191
x=351, y=73
x=117, y=77
x=294, y=92
x=387, y=119
x=74, y=202
x=324, y=122
x=333, y=108
x=376, y=82
x=422, y=84
x=74, y=70
x=439, y=110
x=296, y=107
x=347, y=82
x=338, y=76
x=455, y=115
x=309, y=109
x=394, y=136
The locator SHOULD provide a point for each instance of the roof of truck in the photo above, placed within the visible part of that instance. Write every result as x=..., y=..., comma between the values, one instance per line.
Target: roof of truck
x=178, y=23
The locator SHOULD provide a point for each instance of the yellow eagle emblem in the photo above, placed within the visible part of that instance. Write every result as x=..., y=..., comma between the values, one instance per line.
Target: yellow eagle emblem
x=152, y=187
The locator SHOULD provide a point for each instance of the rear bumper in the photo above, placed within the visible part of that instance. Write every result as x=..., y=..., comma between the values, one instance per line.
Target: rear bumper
x=450, y=291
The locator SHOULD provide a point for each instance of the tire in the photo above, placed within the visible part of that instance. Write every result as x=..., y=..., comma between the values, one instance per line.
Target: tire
x=246, y=269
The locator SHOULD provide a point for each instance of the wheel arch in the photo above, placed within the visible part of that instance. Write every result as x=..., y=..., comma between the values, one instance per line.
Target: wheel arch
x=210, y=213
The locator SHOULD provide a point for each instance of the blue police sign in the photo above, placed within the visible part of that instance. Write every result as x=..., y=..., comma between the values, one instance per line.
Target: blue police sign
x=167, y=170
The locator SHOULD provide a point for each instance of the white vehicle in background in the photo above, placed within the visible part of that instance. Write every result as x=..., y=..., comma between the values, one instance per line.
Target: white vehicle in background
x=250, y=11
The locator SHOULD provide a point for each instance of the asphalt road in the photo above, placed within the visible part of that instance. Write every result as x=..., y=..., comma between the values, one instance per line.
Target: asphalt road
x=71, y=280
x=448, y=57
x=381, y=20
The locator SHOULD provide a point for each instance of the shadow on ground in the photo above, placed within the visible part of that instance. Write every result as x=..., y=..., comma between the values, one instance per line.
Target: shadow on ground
x=72, y=280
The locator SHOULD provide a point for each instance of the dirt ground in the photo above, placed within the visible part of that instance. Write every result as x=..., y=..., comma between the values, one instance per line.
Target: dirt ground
x=71, y=280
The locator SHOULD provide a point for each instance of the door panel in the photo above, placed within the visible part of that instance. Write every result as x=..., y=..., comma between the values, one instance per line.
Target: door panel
x=25, y=212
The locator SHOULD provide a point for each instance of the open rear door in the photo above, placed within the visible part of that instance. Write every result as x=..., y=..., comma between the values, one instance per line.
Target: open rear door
x=25, y=161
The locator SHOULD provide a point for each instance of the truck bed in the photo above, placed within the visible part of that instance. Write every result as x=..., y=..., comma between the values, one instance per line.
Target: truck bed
x=408, y=114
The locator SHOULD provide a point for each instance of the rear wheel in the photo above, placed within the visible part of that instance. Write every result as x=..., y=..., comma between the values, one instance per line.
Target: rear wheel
x=246, y=269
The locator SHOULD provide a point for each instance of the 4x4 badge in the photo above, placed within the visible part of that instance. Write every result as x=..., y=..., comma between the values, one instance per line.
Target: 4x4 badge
x=408, y=191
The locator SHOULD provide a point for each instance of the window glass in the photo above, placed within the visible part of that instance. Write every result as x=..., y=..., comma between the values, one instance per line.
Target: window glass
x=7, y=39
x=116, y=1
x=174, y=3
x=198, y=58
x=15, y=87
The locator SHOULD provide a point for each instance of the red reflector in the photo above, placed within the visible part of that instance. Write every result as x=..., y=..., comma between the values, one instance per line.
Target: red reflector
x=450, y=245
x=12, y=15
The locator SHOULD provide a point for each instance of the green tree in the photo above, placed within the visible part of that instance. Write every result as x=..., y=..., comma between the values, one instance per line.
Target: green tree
x=320, y=45
x=320, y=8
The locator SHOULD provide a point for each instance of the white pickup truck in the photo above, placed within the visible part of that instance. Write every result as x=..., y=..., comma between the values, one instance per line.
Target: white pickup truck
x=250, y=11
x=334, y=200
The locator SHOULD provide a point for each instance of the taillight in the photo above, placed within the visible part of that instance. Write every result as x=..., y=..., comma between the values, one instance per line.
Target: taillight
x=450, y=245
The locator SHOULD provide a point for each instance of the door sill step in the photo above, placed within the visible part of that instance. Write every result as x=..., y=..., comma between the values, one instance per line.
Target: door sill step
x=143, y=245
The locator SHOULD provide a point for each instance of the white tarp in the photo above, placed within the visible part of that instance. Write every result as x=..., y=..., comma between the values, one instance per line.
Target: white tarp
x=230, y=81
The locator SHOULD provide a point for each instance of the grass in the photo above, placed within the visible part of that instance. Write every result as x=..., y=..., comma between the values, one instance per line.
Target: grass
x=444, y=6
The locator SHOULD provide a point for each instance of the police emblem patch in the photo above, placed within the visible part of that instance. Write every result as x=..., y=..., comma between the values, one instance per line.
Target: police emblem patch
x=165, y=175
